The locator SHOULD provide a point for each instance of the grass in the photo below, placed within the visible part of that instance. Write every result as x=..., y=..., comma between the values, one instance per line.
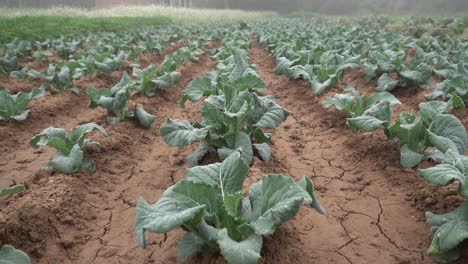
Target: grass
x=40, y=23
x=178, y=15
x=42, y=27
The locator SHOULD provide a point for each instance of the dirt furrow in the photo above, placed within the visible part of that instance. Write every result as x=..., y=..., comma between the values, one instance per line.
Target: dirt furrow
x=157, y=166
x=369, y=218
x=90, y=218
x=64, y=109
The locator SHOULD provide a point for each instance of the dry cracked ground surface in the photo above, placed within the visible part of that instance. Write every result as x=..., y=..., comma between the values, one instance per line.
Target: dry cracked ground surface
x=374, y=207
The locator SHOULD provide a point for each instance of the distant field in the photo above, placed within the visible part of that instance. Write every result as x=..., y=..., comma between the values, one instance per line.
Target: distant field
x=40, y=27
x=176, y=14
x=51, y=23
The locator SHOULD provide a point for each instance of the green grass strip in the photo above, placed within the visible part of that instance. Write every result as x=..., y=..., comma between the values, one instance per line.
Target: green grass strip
x=43, y=27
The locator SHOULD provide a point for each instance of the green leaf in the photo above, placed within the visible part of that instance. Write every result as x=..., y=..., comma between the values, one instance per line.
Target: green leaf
x=260, y=137
x=144, y=119
x=115, y=103
x=179, y=205
x=95, y=94
x=240, y=65
x=88, y=128
x=263, y=150
x=14, y=106
x=180, y=133
x=113, y=120
x=283, y=65
x=167, y=80
x=251, y=82
x=454, y=167
x=234, y=142
x=199, y=87
x=203, y=149
x=274, y=200
x=267, y=114
x=386, y=83
x=190, y=245
x=11, y=255
x=429, y=111
x=342, y=102
x=89, y=165
x=124, y=84
x=410, y=131
x=208, y=232
x=410, y=158
x=21, y=117
x=448, y=231
x=75, y=90
x=319, y=88
x=382, y=97
x=48, y=133
x=68, y=164
x=244, y=252
x=11, y=190
x=370, y=70
x=447, y=132
x=377, y=115
x=232, y=203
x=227, y=176
x=238, y=229
x=419, y=76
x=306, y=184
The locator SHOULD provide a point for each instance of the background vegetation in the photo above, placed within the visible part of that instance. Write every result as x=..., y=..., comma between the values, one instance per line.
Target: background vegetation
x=41, y=27
x=41, y=23
x=330, y=7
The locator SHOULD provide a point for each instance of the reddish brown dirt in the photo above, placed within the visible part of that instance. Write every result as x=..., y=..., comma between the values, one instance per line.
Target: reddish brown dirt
x=464, y=34
x=374, y=207
x=16, y=85
x=76, y=213
x=372, y=202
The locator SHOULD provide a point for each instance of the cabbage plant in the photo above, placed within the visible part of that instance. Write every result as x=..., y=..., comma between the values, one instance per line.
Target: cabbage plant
x=451, y=229
x=380, y=62
x=8, y=63
x=151, y=78
x=417, y=135
x=107, y=62
x=366, y=112
x=456, y=83
x=453, y=168
x=415, y=76
x=58, y=77
x=26, y=74
x=234, y=70
x=322, y=74
x=234, y=119
x=14, y=107
x=71, y=147
x=114, y=100
x=448, y=232
x=211, y=207
x=233, y=115
x=188, y=53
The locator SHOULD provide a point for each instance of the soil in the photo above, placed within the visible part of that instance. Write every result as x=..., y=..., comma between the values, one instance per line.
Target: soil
x=375, y=208
x=464, y=34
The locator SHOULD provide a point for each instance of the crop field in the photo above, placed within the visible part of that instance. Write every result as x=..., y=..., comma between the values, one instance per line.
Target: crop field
x=247, y=138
